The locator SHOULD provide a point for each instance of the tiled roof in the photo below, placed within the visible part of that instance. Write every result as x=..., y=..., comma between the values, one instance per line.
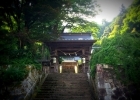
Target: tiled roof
x=76, y=36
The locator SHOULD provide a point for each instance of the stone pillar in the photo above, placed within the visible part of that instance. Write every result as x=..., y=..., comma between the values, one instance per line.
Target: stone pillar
x=83, y=67
x=55, y=64
x=56, y=68
x=46, y=69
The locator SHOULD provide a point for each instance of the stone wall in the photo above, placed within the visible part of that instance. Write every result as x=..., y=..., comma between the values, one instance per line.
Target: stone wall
x=103, y=84
x=28, y=85
x=109, y=88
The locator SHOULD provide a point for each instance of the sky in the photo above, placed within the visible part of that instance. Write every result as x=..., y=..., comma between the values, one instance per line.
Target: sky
x=110, y=9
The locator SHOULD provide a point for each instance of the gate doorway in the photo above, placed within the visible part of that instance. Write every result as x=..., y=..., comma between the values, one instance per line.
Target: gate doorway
x=69, y=67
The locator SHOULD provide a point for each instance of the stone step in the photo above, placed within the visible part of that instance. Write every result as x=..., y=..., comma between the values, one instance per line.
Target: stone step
x=63, y=94
x=67, y=75
x=65, y=86
x=67, y=78
x=63, y=80
x=65, y=98
x=82, y=84
x=64, y=90
x=59, y=87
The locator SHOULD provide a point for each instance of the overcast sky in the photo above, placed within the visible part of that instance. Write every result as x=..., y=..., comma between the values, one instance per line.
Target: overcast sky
x=110, y=9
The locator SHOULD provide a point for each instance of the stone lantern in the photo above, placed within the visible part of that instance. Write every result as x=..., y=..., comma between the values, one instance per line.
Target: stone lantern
x=54, y=60
x=83, y=60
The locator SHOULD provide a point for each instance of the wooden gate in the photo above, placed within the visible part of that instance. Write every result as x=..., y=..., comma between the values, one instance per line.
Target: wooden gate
x=69, y=67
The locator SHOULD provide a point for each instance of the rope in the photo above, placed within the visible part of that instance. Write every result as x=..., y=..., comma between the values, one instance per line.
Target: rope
x=70, y=52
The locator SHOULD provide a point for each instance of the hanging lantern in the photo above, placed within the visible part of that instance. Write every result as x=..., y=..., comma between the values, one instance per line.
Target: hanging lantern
x=83, y=59
x=54, y=60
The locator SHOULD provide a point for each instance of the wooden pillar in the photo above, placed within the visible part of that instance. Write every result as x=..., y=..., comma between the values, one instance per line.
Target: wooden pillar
x=55, y=52
x=83, y=51
x=83, y=63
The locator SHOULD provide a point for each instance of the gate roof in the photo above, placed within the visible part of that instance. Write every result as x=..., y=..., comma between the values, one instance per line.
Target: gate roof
x=72, y=44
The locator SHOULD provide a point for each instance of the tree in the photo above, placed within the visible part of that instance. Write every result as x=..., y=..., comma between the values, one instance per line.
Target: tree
x=26, y=24
x=78, y=12
x=104, y=28
x=122, y=10
x=88, y=27
x=132, y=19
x=45, y=17
x=121, y=48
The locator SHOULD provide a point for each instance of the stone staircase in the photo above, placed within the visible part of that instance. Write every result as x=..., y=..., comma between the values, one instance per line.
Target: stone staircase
x=65, y=86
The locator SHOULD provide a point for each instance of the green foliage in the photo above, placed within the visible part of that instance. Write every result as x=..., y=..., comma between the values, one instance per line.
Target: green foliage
x=88, y=27
x=114, y=31
x=120, y=50
x=132, y=19
x=17, y=71
x=7, y=46
x=60, y=60
x=13, y=75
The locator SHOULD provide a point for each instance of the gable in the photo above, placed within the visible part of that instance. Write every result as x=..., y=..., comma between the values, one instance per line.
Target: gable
x=76, y=36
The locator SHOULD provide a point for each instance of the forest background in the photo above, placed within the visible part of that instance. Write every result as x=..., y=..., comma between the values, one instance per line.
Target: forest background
x=27, y=24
